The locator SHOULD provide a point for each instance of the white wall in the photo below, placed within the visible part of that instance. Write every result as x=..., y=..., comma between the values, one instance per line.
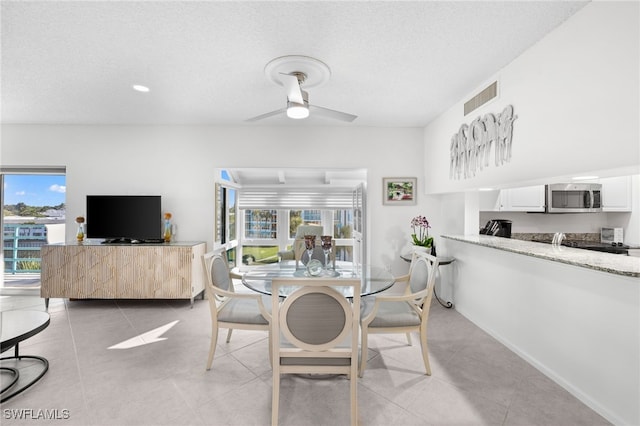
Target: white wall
x=576, y=97
x=178, y=163
x=551, y=223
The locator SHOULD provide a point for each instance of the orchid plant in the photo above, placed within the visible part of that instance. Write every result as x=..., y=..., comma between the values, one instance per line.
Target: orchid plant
x=420, y=236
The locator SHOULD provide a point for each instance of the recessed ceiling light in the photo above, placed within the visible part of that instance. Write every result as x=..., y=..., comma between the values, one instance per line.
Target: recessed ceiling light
x=584, y=177
x=140, y=88
x=485, y=189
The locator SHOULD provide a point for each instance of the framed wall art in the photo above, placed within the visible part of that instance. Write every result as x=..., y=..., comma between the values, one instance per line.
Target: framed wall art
x=400, y=191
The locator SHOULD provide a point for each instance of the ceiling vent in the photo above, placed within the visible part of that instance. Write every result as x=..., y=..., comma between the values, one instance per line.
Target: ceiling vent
x=481, y=98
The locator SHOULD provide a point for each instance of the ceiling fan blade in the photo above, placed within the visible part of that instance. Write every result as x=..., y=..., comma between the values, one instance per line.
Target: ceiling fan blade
x=343, y=116
x=267, y=115
x=294, y=93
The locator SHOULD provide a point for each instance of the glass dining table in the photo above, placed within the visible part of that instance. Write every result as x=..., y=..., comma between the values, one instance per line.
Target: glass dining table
x=375, y=279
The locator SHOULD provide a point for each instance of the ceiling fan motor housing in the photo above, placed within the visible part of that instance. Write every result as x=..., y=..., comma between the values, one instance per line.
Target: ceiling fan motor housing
x=292, y=72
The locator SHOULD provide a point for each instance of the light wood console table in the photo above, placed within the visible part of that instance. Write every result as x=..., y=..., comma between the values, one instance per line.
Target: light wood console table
x=90, y=270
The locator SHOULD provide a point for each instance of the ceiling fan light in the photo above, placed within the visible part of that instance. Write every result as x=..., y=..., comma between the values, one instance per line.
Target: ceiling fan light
x=297, y=111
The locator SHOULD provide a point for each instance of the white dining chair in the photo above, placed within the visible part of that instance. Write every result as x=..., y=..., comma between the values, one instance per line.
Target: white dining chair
x=402, y=313
x=315, y=330
x=231, y=310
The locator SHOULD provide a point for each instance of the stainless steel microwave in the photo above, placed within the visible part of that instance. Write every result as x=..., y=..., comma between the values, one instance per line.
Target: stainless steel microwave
x=574, y=198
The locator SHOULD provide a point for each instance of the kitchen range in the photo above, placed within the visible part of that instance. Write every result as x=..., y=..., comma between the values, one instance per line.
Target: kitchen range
x=615, y=248
x=611, y=241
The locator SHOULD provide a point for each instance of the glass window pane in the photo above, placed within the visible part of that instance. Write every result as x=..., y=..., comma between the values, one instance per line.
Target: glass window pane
x=295, y=219
x=261, y=224
x=342, y=224
x=312, y=217
x=34, y=215
x=300, y=217
x=259, y=255
x=231, y=212
x=231, y=258
x=344, y=253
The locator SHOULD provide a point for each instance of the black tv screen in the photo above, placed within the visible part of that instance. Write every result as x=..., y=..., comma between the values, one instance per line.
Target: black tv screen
x=136, y=217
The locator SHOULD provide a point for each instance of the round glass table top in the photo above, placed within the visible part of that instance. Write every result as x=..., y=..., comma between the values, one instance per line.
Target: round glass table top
x=16, y=326
x=375, y=279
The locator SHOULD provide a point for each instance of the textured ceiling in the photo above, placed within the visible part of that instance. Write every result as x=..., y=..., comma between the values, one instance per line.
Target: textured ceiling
x=392, y=63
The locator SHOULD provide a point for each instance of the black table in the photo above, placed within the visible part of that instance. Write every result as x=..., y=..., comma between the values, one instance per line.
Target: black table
x=16, y=326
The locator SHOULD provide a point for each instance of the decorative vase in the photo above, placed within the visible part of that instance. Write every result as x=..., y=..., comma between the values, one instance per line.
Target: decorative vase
x=167, y=227
x=80, y=231
x=422, y=249
x=167, y=231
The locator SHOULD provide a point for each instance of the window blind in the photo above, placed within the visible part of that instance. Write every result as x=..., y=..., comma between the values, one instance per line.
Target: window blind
x=33, y=170
x=295, y=198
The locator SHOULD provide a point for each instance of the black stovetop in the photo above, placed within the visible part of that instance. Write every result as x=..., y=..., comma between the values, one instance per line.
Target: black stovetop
x=596, y=246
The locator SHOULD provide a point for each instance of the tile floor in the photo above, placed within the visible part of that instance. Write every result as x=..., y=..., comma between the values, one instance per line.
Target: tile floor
x=475, y=381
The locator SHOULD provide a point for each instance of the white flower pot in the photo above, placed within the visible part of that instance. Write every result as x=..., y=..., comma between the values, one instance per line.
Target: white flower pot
x=422, y=249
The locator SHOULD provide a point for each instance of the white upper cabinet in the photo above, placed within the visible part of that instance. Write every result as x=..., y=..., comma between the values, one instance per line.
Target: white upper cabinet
x=525, y=199
x=490, y=201
x=616, y=194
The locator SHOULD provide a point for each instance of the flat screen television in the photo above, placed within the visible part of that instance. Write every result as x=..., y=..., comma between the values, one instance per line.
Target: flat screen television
x=135, y=217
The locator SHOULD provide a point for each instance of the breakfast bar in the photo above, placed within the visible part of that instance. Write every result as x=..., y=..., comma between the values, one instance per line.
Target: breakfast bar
x=605, y=262
x=573, y=314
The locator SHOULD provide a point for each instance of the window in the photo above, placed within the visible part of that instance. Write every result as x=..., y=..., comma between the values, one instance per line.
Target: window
x=260, y=236
x=226, y=208
x=271, y=210
x=33, y=214
x=268, y=232
x=261, y=224
x=298, y=217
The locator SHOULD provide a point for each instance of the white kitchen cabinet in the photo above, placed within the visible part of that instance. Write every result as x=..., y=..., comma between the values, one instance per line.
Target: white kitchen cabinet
x=616, y=194
x=489, y=201
x=525, y=199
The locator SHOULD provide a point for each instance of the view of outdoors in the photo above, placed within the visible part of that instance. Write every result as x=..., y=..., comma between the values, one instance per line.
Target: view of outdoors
x=263, y=225
x=33, y=212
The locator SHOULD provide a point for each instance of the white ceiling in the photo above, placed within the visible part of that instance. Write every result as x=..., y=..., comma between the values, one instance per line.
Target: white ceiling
x=392, y=63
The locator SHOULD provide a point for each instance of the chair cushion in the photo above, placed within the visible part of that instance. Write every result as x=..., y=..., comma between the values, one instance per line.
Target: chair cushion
x=220, y=274
x=316, y=319
x=244, y=311
x=390, y=314
x=419, y=276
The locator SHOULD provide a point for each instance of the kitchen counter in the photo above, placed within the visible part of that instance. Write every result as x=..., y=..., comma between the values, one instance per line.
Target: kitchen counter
x=562, y=309
x=605, y=262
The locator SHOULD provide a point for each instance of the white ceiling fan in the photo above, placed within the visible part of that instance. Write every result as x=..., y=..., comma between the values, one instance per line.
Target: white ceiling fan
x=293, y=72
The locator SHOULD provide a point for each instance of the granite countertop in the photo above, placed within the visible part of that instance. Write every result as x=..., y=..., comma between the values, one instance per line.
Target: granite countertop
x=605, y=262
